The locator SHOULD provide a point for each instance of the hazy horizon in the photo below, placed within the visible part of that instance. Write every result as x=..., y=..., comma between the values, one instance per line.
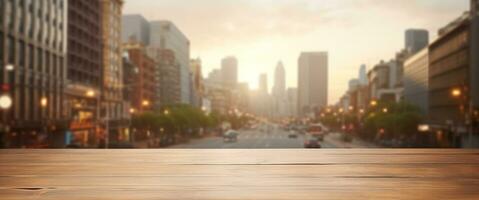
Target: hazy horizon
x=260, y=33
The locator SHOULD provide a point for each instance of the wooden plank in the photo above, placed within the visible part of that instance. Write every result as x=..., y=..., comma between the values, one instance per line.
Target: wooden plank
x=239, y=174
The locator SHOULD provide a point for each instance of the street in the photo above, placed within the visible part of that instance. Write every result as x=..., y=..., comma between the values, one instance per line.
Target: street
x=252, y=139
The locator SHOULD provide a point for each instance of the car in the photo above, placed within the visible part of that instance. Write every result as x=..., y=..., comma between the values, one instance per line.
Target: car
x=316, y=131
x=230, y=136
x=292, y=135
x=312, y=143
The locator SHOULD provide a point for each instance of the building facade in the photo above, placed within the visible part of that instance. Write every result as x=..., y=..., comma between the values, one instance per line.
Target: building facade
x=168, y=77
x=84, y=73
x=112, y=105
x=312, y=81
x=453, y=74
x=197, y=87
x=165, y=35
x=383, y=80
x=144, y=85
x=229, y=69
x=279, y=87
x=416, y=80
x=449, y=69
x=135, y=27
x=416, y=39
x=33, y=73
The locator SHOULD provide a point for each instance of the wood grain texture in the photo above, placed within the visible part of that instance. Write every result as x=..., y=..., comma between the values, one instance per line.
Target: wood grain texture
x=240, y=174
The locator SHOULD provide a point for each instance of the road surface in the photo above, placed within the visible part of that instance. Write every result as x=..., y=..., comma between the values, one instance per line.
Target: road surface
x=252, y=139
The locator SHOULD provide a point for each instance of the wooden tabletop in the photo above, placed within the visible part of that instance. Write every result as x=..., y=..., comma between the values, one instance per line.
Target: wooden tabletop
x=239, y=174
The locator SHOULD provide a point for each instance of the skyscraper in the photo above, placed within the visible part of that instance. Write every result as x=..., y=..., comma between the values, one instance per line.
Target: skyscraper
x=363, y=77
x=279, y=87
x=197, y=82
x=84, y=72
x=229, y=69
x=416, y=39
x=112, y=80
x=167, y=77
x=165, y=35
x=136, y=27
x=32, y=72
x=312, y=81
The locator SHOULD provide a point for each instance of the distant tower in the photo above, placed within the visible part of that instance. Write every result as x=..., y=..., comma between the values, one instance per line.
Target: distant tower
x=279, y=87
x=312, y=81
x=363, y=79
x=229, y=69
x=416, y=39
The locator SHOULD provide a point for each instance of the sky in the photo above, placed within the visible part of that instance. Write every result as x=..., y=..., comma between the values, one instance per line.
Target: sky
x=259, y=33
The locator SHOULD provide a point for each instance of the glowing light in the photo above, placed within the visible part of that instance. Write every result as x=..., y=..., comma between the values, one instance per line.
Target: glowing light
x=43, y=102
x=456, y=92
x=90, y=93
x=5, y=102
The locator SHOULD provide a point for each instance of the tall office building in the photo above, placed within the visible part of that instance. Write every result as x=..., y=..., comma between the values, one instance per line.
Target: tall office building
x=165, y=35
x=363, y=76
x=32, y=72
x=196, y=82
x=167, y=76
x=144, y=93
x=112, y=77
x=416, y=39
x=279, y=92
x=416, y=80
x=279, y=87
x=473, y=54
x=135, y=27
x=229, y=69
x=84, y=72
x=312, y=81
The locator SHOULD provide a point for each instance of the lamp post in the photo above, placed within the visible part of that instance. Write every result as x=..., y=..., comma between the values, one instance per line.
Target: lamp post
x=469, y=114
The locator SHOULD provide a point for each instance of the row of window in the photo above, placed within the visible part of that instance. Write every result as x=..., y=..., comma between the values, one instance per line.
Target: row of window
x=27, y=56
x=30, y=106
x=46, y=30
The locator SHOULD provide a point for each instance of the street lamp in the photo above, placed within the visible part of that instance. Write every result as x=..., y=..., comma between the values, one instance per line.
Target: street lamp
x=145, y=103
x=456, y=92
x=9, y=67
x=132, y=110
x=90, y=93
x=44, y=102
x=361, y=111
x=373, y=103
x=385, y=110
x=166, y=112
x=5, y=102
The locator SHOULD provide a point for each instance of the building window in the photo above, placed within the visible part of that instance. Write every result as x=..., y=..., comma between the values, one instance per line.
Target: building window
x=1, y=48
x=30, y=56
x=21, y=55
x=47, y=63
x=11, y=50
x=39, y=60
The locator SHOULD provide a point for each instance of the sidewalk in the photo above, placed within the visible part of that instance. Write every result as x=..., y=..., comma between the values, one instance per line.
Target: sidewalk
x=335, y=139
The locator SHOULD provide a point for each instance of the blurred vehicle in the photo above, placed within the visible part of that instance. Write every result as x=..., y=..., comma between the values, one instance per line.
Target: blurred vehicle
x=292, y=134
x=230, y=136
x=312, y=143
x=317, y=131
